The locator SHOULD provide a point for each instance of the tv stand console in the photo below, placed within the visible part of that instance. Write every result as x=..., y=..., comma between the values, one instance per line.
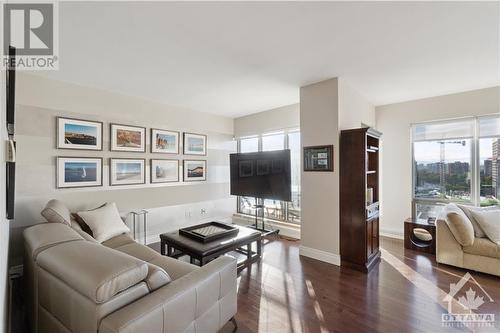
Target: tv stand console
x=262, y=229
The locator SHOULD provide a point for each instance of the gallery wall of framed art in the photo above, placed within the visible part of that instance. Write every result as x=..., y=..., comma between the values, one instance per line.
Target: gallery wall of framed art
x=87, y=171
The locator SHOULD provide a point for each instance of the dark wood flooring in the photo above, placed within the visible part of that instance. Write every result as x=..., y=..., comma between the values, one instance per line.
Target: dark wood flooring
x=288, y=293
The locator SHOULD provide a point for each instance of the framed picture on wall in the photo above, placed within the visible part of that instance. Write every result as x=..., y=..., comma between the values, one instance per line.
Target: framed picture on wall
x=163, y=141
x=127, y=138
x=195, y=144
x=318, y=158
x=127, y=171
x=195, y=170
x=79, y=134
x=164, y=171
x=74, y=172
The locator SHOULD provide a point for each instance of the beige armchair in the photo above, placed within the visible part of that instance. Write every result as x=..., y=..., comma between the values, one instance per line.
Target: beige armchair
x=457, y=245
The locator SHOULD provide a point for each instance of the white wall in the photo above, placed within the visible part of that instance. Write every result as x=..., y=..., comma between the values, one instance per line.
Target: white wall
x=4, y=224
x=326, y=108
x=394, y=122
x=319, y=125
x=40, y=100
x=285, y=117
x=354, y=109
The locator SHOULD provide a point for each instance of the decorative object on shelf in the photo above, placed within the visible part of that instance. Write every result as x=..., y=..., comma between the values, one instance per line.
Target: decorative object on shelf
x=127, y=138
x=195, y=170
x=420, y=236
x=208, y=232
x=137, y=215
x=195, y=144
x=318, y=158
x=369, y=196
x=79, y=134
x=164, y=171
x=359, y=198
x=78, y=172
x=163, y=141
x=127, y=171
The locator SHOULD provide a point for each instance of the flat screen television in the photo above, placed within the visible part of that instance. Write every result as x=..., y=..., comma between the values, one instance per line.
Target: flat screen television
x=264, y=175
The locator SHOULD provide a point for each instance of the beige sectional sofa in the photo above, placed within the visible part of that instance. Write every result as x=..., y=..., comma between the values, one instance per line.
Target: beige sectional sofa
x=76, y=284
x=458, y=244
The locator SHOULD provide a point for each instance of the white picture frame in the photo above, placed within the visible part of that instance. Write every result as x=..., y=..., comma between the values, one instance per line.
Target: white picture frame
x=191, y=174
x=78, y=134
x=74, y=172
x=127, y=171
x=164, y=141
x=127, y=138
x=195, y=144
x=164, y=171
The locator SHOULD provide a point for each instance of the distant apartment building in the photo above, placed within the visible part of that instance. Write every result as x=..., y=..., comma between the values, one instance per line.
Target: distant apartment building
x=488, y=165
x=457, y=168
x=495, y=168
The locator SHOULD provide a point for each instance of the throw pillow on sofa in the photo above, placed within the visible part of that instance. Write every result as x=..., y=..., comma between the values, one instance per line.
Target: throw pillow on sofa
x=460, y=225
x=490, y=223
x=56, y=212
x=105, y=222
x=478, y=232
x=82, y=223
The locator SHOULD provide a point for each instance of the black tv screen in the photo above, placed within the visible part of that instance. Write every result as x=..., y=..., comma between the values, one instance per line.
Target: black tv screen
x=264, y=175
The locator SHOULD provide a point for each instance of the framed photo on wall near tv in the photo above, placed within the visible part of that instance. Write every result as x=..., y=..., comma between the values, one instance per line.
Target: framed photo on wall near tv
x=195, y=170
x=163, y=141
x=195, y=144
x=318, y=158
x=127, y=171
x=79, y=134
x=78, y=172
x=128, y=138
x=164, y=171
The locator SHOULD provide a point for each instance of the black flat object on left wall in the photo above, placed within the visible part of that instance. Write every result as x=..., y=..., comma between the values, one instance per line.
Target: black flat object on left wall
x=10, y=168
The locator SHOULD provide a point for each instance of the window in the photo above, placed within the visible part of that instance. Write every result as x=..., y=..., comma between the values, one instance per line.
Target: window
x=489, y=161
x=275, y=209
x=445, y=156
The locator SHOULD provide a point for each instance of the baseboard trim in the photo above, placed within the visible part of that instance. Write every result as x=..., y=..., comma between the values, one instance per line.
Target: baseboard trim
x=392, y=234
x=324, y=256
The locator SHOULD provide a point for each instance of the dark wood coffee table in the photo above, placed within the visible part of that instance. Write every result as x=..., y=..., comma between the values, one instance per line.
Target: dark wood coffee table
x=175, y=245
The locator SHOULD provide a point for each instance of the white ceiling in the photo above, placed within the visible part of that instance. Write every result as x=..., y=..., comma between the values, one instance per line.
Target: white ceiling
x=238, y=58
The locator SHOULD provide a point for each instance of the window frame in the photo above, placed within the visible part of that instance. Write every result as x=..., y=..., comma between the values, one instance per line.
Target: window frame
x=475, y=190
x=285, y=133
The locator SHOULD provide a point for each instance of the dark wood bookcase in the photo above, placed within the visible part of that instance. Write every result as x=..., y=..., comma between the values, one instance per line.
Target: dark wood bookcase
x=359, y=198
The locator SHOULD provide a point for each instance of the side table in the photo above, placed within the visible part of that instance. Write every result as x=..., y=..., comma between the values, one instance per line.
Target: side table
x=412, y=242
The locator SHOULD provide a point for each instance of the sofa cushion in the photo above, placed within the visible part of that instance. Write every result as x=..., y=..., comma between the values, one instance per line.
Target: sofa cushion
x=460, y=225
x=483, y=247
x=76, y=227
x=92, y=269
x=490, y=223
x=56, y=212
x=478, y=232
x=118, y=241
x=45, y=235
x=175, y=268
x=105, y=222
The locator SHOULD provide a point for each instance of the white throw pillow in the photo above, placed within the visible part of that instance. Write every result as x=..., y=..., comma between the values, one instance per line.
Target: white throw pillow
x=478, y=232
x=105, y=222
x=490, y=223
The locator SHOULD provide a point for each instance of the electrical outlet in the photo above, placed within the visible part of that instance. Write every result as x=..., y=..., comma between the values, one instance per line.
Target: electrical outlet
x=203, y=211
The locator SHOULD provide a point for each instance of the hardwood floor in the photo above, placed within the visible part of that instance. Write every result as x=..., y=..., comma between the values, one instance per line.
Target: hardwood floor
x=288, y=293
